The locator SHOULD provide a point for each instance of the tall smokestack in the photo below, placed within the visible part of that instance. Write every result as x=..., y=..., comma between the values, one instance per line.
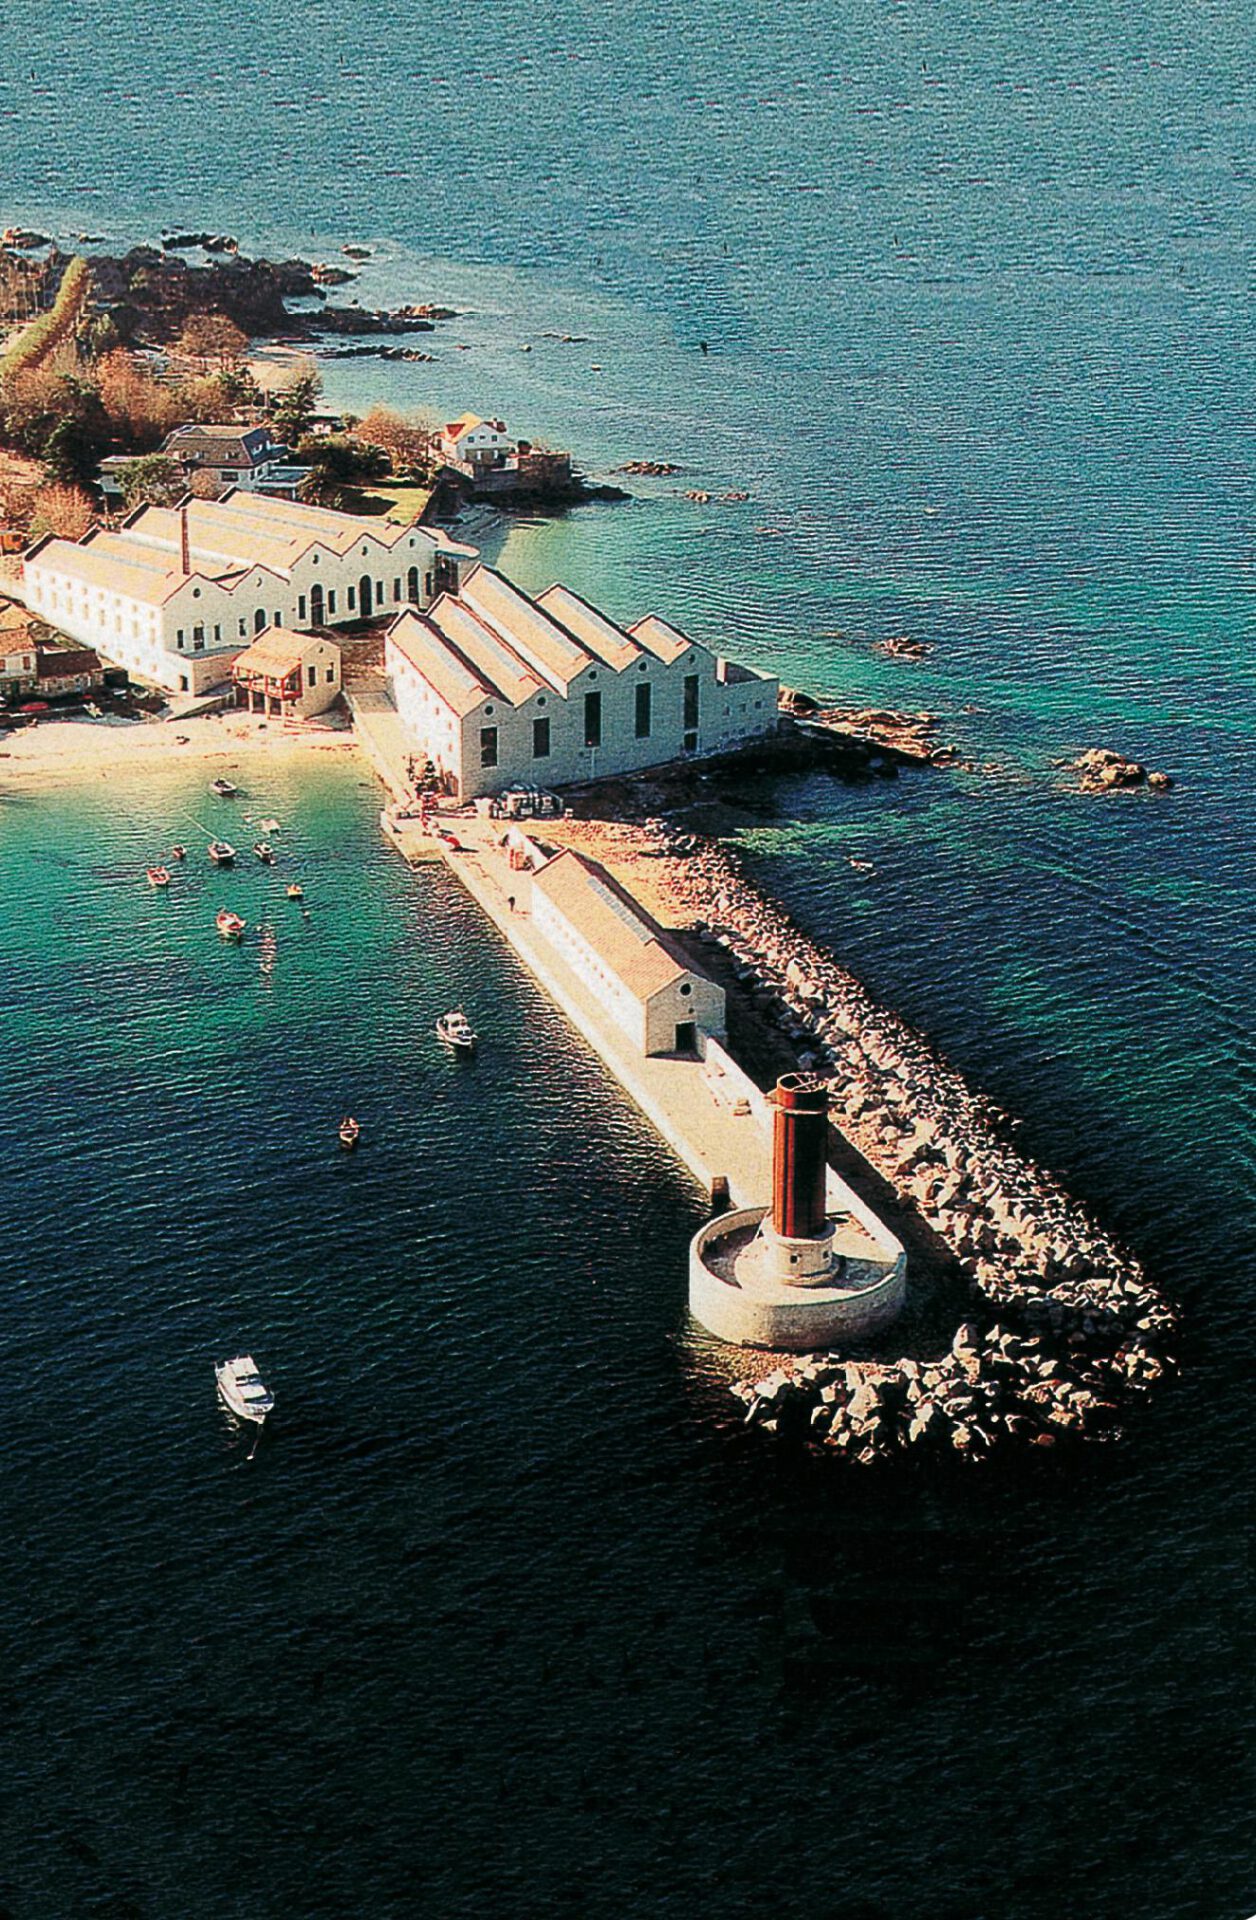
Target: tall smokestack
x=800, y=1156
x=185, y=545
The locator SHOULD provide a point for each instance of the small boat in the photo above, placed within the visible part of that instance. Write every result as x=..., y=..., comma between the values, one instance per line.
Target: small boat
x=92, y=711
x=265, y=852
x=221, y=853
x=240, y=1385
x=350, y=1133
x=223, y=788
x=178, y=853
x=296, y=892
x=158, y=876
x=456, y=1031
x=229, y=924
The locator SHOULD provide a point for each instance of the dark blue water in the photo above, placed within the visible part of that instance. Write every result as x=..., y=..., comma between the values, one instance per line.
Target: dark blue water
x=509, y=1612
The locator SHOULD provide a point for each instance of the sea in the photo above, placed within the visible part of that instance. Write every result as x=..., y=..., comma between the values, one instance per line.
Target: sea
x=508, y=1613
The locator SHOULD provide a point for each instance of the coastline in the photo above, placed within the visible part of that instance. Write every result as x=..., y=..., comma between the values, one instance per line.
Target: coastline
x=75, y=750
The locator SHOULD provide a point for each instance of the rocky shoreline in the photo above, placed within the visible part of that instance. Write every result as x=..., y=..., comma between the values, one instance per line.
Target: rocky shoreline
x=1064, y=1328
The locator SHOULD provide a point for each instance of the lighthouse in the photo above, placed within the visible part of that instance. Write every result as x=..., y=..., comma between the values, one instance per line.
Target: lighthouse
x=813, y=1268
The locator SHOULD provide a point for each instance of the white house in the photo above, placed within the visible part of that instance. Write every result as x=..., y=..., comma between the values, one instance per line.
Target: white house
x=623, y=957
x=175, y=593
x=497, y=689
x=473, y=444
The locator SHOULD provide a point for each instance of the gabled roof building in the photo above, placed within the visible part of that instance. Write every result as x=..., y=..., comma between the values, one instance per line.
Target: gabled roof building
x=498, y=689
x=175, y=593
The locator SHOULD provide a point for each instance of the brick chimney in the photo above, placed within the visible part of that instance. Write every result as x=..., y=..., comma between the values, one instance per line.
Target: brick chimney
x=185, y=545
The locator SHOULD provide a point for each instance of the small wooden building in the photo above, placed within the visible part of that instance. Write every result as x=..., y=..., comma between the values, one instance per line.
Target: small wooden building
x=288, y=675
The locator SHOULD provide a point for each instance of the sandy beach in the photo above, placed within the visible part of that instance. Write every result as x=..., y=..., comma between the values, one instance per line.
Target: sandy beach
x=86, y=749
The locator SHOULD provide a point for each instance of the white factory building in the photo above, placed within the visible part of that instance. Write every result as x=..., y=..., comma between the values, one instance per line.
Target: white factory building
x=624, y=958
x=497, y=689
x=175, y=593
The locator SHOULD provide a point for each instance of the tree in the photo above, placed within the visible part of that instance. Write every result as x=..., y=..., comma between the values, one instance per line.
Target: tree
x=405, y=437
x=141, y=409
x=72, y=452
x=64, y=511
x=294, y=405
x=154, y=480
x=100, y=337
x=213, y=338
x=205, y=485
x=337, y=465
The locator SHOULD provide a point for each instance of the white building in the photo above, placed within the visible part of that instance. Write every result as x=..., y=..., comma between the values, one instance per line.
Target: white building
x=474, y=445
x=497, y=689
x=623, y=957
x=175, y=593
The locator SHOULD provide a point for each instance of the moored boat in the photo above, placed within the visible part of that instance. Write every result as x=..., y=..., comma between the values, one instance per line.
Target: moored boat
x=158, y=876
x=456, y=1031
x=350, y=1133
x=241, y=1387
x=265, y=852
x=178, y=853
x=223, y=788
x=229, y=924
x=222, y=853
x=296, y=892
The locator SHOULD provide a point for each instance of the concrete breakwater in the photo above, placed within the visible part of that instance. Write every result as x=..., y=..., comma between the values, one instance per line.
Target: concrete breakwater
x=1064, y=1325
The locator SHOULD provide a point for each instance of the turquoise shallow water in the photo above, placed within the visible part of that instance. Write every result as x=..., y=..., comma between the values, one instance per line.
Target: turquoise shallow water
x=526, y=1619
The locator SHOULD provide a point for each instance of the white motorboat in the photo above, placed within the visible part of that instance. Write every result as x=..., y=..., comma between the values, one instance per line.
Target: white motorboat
x=240, y=1385
x=223, y=788
x=456, y=1031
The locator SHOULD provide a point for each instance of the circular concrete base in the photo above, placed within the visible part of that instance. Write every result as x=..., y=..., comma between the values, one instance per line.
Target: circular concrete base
x=733, y=1297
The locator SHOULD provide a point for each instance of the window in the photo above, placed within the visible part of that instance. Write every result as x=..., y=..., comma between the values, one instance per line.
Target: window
x=217, y=633
x=353, y=596
x=198, y=639
x=691, y=700
x=488, y=746
x=331, y=600
x=540, y=739
x=691, y=743
x=331, y=676
x=592, y=719
x=397, y=588
x=179, y=636
x=312, y=675
x=242, y=630
x=301, y=606
x=643, y=711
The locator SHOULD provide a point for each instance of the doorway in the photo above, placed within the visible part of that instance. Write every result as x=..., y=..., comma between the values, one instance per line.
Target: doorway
x=316, y=605
x=687, y=1036
x=364, y=596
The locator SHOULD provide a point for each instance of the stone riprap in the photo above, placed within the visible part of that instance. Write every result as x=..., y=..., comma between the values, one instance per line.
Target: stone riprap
x=1065, y=1326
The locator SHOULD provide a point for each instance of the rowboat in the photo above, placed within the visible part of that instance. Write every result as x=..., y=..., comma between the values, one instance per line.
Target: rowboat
x=221, y=853
x=229, y=924
x=350, y=1133
x=158, y=876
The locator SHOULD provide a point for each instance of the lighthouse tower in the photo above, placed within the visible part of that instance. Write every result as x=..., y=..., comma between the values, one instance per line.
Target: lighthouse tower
x=815, y=1267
